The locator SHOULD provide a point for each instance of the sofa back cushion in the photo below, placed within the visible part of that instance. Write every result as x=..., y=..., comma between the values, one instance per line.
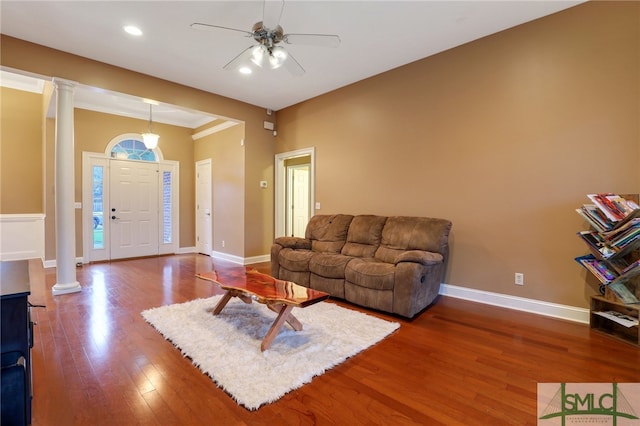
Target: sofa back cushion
x=364, y=236
x=402, y=233
x=328, y=233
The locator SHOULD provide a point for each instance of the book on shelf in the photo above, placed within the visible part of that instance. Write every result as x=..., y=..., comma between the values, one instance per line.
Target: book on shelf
x=597, y=243
x=615, y=207
x=598, y=268
x=625, y=236
x=627, y=226
x=598, y=220
x=625, y=241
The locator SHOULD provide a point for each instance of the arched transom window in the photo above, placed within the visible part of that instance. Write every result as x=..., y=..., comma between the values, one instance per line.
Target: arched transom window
x=132, y=149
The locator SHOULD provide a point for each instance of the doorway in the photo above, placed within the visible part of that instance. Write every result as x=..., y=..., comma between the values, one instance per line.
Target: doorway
x=294, y=191
x=298, y=206
x=204, y=219
x=130, y=208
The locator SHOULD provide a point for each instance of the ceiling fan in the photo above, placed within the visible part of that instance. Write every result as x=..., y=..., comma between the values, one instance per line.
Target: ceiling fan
x=268, y=53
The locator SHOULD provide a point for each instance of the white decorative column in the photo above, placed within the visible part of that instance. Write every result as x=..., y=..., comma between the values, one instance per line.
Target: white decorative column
x=66, y=281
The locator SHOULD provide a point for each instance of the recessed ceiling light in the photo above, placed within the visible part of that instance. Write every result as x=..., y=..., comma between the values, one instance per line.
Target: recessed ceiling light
x=133, y=30
x=245, y=70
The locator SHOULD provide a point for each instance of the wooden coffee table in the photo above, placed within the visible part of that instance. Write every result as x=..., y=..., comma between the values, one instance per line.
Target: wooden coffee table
x=279, y=296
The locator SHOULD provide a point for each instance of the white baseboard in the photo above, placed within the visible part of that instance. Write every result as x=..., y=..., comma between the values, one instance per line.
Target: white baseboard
x=257, y=259
x=52, y=263
x=228, y=257
x=570, y=313
x=240, y=260
x=186, y=250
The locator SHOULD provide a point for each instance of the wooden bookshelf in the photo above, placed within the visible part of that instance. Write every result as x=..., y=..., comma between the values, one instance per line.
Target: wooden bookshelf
x=612, y=328
x=615, y=265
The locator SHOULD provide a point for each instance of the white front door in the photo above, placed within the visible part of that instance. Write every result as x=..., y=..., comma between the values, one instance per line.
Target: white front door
x=203, y=207
x=133, y=215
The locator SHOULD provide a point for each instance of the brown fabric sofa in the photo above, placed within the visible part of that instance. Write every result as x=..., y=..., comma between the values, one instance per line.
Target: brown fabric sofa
x=393, y=264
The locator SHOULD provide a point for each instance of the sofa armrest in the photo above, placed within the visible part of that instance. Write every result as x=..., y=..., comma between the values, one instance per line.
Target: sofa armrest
x=419, y=256
x=294, y=242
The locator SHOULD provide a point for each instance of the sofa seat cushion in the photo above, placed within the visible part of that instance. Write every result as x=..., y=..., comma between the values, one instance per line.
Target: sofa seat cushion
x=295, y=259
x=370, y=273
x=329, y=265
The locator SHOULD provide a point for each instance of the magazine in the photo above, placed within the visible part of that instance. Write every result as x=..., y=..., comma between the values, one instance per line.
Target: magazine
x=620, y=318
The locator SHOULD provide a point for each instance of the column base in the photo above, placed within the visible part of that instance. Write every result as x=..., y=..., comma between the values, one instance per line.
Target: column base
x=59, y=289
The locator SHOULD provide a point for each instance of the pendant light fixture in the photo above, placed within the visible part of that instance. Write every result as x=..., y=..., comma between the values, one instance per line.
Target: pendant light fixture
x=150, y=139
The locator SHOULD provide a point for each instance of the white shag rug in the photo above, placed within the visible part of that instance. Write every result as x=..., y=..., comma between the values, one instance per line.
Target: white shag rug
x=227, y=346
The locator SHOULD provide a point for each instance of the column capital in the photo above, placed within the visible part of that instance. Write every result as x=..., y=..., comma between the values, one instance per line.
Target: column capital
x=61, y=83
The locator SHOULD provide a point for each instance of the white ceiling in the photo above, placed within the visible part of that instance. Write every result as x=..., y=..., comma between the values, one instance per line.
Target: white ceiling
x=376, y=36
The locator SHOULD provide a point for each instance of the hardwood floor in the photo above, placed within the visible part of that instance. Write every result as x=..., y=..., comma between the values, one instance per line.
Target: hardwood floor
x=97, y=362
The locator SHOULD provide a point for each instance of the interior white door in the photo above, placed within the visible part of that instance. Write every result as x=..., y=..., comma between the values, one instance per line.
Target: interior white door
x=299, y=202
x=281, y=187
x=133, y=203
x=204, y=216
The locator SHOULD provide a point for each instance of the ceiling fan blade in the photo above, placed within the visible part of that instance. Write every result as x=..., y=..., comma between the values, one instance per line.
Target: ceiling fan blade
x=322, y=40
x=293, y=66
x=271, y=13
x=209, y=27
x=243, y=59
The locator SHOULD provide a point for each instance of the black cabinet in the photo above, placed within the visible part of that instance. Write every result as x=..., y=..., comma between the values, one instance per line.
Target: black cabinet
x=16, y=340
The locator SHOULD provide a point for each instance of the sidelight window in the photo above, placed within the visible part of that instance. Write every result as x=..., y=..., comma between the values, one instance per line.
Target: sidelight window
x=166, y=207
x=98, y=209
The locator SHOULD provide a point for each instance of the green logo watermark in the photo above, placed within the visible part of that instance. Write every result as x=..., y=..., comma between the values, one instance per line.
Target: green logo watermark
x=614, y=404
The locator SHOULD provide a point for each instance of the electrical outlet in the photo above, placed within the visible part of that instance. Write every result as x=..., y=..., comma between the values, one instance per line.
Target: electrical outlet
x=223, y=243
x=519, y=278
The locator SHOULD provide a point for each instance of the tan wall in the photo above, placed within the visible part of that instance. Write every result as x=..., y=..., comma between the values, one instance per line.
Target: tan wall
x=504, y=136
x=259, y=159
x=47, y=96
x=21, y=152
x=40, y=60
x=227, y=171
x=239, y=164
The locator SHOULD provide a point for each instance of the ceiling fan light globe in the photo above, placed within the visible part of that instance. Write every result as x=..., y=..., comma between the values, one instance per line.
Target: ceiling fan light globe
x=257, y=55
x=279, y=52
x=273, y=64
x=277, y=57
